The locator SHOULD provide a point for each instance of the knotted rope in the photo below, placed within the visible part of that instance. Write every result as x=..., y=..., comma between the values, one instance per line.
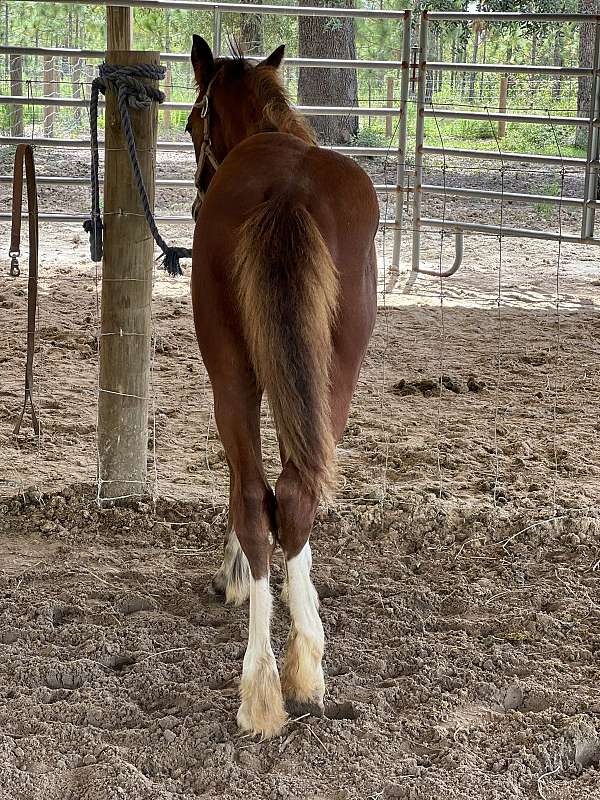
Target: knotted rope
x=127, y=84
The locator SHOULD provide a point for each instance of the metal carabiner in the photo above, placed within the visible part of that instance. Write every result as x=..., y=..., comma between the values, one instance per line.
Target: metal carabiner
x=204, y=106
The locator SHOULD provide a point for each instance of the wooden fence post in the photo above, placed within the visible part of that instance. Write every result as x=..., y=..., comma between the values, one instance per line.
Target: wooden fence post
x=126, y=299
x=502, y=105
x=119, y=28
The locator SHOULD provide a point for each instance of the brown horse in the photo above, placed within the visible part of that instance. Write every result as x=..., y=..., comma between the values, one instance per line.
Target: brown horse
x=284, y=296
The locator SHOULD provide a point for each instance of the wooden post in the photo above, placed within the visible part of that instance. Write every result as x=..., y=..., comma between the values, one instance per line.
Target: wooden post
x=502, y=105
x=119, y=28
x=389, y=121
x=126, y=300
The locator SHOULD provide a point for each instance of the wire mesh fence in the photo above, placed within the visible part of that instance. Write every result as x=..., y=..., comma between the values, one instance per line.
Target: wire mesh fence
x=464, y=338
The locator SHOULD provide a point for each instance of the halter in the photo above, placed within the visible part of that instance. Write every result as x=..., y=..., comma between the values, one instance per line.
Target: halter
x=206, y=151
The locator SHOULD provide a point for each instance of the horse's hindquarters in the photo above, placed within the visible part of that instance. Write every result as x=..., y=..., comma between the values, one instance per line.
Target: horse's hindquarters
x=284, y=296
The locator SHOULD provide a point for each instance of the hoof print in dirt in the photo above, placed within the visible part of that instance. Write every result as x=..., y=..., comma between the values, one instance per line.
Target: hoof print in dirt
x=513, y=698
x=535, y=359
x=345, y=710
x=119, y=663
x=430, y=387
x=63, y=615
x=325, y=590
x=297, y=708
x=135, y=603
x=65, y=678
x=475, y=385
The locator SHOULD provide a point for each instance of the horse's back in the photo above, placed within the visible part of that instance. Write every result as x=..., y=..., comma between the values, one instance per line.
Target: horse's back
x=333, y=188
x=339, y=197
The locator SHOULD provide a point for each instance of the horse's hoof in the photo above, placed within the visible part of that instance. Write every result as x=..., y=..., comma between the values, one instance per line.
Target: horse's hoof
x=266, y=726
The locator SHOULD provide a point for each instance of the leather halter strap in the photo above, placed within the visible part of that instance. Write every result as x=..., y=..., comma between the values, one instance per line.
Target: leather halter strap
x=206, y=151
x=24, y=158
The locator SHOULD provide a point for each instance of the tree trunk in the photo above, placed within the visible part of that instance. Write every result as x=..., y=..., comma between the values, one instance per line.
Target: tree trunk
x=76, y=81
x=463, y=75
x=76, y=77
x=586, y=59
x=49, y=111
x=324, y=37
x=251, y=32
x=6, y=36
x=473, y=75
x=436, y=56
x=168, y=90
x=558, y=62
x=508, y=60
x=442, y=58
x=483, y=61
x=534, y=46
x=168, y=82
x=16, y=89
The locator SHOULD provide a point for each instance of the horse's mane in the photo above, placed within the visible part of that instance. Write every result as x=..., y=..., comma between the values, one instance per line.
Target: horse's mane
x=277, y=112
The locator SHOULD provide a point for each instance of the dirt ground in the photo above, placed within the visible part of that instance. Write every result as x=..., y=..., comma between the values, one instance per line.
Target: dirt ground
x=457, y=569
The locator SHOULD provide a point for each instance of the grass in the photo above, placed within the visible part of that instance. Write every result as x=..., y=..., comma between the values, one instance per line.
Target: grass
x=542, y=139
x=549, y=189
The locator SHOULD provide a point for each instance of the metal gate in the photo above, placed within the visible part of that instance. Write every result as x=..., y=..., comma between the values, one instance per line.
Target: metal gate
x=414, y=68
x=588, y=203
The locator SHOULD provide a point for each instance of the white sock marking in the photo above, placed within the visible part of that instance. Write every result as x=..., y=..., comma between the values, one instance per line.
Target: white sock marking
x=262, y=708
x=233, y=575
x=303, y=598
x=259, y=635
x=302, y=676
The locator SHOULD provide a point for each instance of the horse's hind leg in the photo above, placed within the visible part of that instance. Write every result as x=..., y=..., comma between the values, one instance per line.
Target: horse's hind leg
x=232, y=579
x=302, y=679
x=252, y=521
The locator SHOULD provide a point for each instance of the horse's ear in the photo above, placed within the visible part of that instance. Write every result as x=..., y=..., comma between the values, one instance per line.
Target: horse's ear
x=202, y=59
x=275, y=59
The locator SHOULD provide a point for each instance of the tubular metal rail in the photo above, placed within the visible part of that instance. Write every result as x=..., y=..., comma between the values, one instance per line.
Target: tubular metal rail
x=589, y=165
x=216, y=9
x=420, y=69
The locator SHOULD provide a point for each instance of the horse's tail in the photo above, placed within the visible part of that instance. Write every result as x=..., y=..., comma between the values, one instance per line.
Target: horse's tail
x=288, y=290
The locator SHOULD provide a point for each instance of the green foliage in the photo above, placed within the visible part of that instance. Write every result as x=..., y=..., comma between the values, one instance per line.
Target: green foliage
x=551, y=189
x=373, y=136
x=63, y=24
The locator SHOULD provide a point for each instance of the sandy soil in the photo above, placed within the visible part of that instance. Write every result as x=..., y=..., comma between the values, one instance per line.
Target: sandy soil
x=458, y=567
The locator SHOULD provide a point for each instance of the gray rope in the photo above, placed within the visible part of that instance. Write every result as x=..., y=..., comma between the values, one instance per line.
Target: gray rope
x=127, y=84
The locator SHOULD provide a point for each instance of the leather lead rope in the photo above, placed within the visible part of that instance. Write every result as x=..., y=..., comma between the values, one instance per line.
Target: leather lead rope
x=24, y=159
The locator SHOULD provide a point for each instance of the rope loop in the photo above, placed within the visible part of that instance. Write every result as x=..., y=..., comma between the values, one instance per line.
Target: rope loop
x=131, y=91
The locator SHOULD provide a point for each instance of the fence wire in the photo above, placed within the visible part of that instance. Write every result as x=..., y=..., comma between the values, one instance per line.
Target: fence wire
x=442, y=292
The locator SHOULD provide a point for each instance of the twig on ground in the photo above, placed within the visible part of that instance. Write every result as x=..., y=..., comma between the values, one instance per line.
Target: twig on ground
x=529, y=527
x=541, y=778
